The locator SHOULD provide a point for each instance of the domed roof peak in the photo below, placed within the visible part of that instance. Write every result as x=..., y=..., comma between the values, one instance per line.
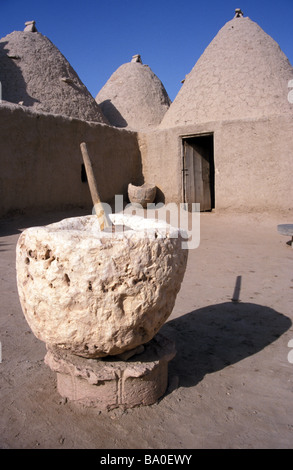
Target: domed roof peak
x=134, y=96
x=34, y=73
x=242, y=74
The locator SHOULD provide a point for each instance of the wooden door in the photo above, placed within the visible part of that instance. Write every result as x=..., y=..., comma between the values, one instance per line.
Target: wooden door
x=197, y=173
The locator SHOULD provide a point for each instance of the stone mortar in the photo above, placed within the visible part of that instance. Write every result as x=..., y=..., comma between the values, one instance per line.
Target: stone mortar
x=97, y=293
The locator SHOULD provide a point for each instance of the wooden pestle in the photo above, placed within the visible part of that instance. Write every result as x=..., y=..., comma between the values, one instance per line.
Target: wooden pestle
x=103, y=221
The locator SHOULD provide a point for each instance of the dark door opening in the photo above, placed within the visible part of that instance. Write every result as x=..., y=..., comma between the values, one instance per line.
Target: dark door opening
x=199, y=171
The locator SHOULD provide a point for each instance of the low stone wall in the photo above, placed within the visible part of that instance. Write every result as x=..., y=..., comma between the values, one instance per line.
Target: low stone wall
x=41, y=160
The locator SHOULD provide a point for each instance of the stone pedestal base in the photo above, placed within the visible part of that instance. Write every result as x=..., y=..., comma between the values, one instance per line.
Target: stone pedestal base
x=111, y=382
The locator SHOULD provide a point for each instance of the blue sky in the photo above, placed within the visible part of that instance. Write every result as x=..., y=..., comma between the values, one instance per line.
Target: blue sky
x=98, y=36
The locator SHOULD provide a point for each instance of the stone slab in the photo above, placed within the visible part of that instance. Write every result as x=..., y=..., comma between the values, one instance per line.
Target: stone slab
x=286, y=229
x=110, y=382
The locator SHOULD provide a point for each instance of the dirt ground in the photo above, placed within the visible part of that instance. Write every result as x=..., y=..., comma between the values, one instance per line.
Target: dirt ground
x=231, y=383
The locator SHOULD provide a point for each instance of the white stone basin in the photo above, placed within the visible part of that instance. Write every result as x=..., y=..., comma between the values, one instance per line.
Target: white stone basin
x=98, y=293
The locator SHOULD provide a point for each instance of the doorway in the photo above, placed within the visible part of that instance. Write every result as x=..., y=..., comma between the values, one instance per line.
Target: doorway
x=199, y=171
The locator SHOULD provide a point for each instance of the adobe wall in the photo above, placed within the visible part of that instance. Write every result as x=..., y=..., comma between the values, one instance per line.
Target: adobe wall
x=161, y=163
x=253, y=162
x=41, y=161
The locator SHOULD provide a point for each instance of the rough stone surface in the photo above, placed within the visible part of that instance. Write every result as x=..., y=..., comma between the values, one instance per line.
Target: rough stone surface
x=95, y=293
x=134, y=97
x=242, y=74
x=109, y=383
x=31, y=69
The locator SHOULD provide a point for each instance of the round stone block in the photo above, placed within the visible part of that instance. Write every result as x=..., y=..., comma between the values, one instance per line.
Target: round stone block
x=111, y=382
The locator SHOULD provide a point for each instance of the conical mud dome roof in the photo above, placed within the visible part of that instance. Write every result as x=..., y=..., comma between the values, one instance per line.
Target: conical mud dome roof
x=242, y=74
x=134, y=97
x=33, y=72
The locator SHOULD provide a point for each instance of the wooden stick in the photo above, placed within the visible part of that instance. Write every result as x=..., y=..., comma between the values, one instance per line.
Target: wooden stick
x=93, y=187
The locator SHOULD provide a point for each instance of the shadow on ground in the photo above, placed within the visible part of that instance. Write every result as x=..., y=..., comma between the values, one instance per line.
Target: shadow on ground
x=211, y=338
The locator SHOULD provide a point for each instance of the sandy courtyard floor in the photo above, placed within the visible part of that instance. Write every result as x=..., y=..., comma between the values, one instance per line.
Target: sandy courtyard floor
x=231, y=383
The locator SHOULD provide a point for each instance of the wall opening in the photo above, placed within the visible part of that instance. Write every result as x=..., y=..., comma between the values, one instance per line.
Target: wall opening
x=199, y=171
x=83, y=174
